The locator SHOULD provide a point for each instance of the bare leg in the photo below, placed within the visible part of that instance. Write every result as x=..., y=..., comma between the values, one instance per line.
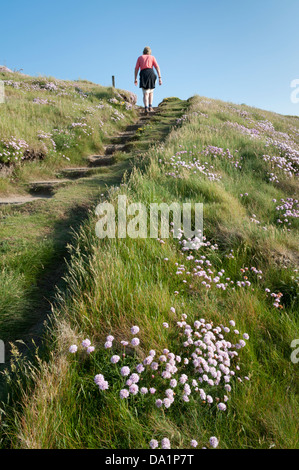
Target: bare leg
x=150, y=98
x=145, y=99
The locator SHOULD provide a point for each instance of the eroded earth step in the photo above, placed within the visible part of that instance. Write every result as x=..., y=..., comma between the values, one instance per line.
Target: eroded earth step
x=47, y=186
x=122, y=139
x=144, y=121
x=133, y=128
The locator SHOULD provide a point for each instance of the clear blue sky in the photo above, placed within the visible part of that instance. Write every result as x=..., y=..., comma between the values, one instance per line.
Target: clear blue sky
x=235, y=50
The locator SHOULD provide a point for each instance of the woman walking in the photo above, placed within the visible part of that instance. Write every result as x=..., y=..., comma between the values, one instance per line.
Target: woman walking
x=147, y=77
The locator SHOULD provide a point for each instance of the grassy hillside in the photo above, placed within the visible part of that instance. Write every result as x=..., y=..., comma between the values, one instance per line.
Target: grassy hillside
x=214, y=325
x=54, y=124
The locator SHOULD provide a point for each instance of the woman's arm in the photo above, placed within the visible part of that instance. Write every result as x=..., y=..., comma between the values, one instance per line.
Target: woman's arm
x=137, y=66
x=136, y=73
x=159, y=73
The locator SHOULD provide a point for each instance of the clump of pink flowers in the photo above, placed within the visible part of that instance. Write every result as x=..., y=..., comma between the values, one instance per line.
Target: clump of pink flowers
x=12, y=149
x=166, y=444
x=101, y=382
x=86, y=345
x=201, y=368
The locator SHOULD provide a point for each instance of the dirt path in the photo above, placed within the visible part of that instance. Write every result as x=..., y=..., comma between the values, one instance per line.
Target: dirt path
x=20, y=199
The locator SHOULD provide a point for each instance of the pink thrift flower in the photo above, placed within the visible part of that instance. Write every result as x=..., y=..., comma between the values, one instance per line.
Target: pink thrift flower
x=214, y=442
x=134, y=389
x=115, y=359
x=125, y=371
x=148, y=360
x=166, y=402
x=98, y=379
x=165, y=443
x=221, y=406
x=153, y=444
x=135, y=378
x=103, y=385
x=135, y=330
x=124, y=393
x=140, y=368
x=183, y=378
x=169, y=393
x=135, y=342
x=166, y=375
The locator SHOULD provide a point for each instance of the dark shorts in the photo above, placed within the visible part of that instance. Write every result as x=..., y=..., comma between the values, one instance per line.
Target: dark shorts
x=147, y=79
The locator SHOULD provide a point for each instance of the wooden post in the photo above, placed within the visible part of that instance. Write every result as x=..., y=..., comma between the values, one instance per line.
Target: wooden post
x=113, y=81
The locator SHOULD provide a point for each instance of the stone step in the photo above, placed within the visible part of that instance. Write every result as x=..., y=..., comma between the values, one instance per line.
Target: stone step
x=127, y=134
x=79, y=172
x=148, y=115
x=100, y=160
x=154, y=111
x=112, y=148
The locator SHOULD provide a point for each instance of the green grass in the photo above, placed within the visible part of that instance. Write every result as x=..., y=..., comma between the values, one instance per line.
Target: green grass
x=74, y=123
x=113, y=284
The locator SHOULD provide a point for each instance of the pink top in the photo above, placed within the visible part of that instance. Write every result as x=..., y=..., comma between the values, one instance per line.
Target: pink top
x=146, y=62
